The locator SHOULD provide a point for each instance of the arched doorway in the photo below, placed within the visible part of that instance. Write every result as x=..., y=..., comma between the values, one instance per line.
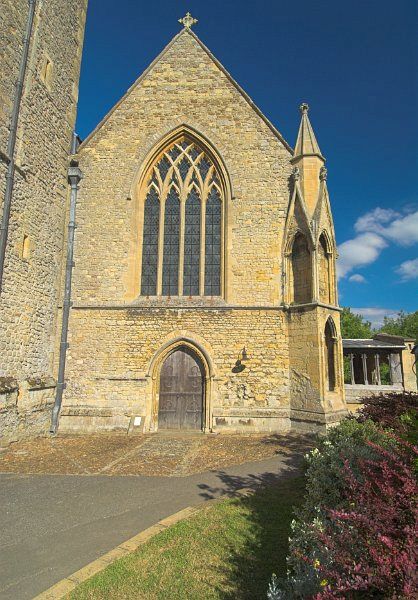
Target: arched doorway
x=181, y=391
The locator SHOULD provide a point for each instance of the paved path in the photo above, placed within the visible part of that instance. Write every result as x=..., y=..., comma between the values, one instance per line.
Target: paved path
x=52, y=525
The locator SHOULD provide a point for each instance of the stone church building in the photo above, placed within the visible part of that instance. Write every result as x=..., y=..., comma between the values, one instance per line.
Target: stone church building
x=202, y=277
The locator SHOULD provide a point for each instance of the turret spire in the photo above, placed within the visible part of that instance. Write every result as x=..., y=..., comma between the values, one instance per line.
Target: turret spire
x=309, y=160
x=306, y=143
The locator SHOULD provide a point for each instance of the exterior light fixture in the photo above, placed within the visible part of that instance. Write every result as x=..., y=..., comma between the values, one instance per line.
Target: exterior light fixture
x=242, y=357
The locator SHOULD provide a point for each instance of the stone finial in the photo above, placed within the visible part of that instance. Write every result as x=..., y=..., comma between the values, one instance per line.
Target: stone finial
x=323, y=173
x=296, y=174
x=188, y=21
x=306, y=144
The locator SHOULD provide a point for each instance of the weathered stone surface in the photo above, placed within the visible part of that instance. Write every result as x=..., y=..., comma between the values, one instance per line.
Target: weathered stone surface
x=118, y=339
x=29, y=298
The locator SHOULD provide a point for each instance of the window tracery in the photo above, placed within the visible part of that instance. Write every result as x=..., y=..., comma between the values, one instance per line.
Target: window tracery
x=185, y=186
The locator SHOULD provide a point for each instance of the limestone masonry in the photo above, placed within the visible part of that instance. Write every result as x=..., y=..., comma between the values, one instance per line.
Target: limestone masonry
x=35, y=243
x=203, y=289
x=119, y=338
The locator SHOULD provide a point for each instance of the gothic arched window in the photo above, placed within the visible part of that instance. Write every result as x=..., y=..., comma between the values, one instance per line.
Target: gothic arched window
x=183, y=185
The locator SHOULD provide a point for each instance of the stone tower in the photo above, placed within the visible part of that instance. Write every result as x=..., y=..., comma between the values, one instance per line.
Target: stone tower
x=41, y=50
x=310, y=289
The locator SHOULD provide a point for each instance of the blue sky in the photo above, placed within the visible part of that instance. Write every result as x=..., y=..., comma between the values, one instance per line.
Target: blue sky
x=355, y=63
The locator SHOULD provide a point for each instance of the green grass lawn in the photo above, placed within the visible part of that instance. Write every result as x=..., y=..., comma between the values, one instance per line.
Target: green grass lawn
x=226, y=551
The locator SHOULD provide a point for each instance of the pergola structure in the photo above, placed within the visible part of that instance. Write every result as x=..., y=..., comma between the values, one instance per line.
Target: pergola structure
x=375, y=365
x=367, y=357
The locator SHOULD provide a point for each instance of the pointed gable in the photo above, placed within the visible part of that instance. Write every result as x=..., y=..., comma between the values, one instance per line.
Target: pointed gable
x=187, y=46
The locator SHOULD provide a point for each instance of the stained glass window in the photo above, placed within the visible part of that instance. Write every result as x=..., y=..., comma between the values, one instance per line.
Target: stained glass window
x=183, y=175
x=171, y=244
x=192, y=245
x=213, y=244
x=150, y=244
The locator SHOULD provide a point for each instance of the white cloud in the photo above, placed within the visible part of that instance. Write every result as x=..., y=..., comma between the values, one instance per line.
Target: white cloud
x=375, y=315
x=359, y=252
x=391, y=225
x=408, y=269
x=375, y=230
x=357, y=278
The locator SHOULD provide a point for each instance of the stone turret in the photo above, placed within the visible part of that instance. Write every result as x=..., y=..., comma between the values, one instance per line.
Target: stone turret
x=308, y=158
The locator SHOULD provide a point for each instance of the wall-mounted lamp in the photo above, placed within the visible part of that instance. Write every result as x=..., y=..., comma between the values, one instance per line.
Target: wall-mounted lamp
x=242, y=357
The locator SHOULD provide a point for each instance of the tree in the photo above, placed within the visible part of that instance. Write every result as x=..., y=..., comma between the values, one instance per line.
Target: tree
x=405, y=325
x=354, y=326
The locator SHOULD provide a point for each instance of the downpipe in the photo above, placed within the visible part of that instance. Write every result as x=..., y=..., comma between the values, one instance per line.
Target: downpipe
x=74, y=177
x=11, y=144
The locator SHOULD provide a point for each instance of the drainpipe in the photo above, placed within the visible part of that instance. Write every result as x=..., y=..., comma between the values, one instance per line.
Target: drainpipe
x=11, y=144
x=74, y=177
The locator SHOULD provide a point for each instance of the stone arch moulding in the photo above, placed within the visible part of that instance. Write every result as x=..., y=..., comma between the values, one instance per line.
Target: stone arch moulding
x=331, y=360
x=289, y=291
x=331, y=323
x=137, y=195
x=326, y=269
x=154, y=374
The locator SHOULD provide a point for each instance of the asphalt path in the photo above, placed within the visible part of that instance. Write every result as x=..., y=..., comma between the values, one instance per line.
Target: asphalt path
x=52, y=525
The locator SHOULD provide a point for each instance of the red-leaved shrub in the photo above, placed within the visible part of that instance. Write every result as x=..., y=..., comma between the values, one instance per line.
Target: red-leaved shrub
x=388, y=409
x=371, y=547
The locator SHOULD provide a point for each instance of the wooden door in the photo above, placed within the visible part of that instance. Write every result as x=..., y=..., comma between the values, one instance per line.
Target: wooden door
x=181, y=391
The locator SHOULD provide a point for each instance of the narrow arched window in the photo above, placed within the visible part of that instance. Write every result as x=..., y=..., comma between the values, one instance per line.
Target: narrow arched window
x=191, y=276
x=150, y=244
x=330, y=353
x=184, y=186
x=171, y=244
x=213, y=244
x=324, y=276
x=301, y=270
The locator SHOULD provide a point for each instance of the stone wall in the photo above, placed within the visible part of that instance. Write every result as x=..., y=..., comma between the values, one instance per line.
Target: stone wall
x=185, y=87
x=113, y=362
x=311, y=400
x=35, y=242
x=354, y=394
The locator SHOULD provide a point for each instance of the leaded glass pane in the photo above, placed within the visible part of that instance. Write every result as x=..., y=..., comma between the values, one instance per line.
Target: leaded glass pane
x=192, y=245
x=194, y=152
x=204, y=166
x=184, y=167
x=163, y=167
x=154, y=179
x=174, y=152
x=213, y=244
x=150, y=244
x=171, y=245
